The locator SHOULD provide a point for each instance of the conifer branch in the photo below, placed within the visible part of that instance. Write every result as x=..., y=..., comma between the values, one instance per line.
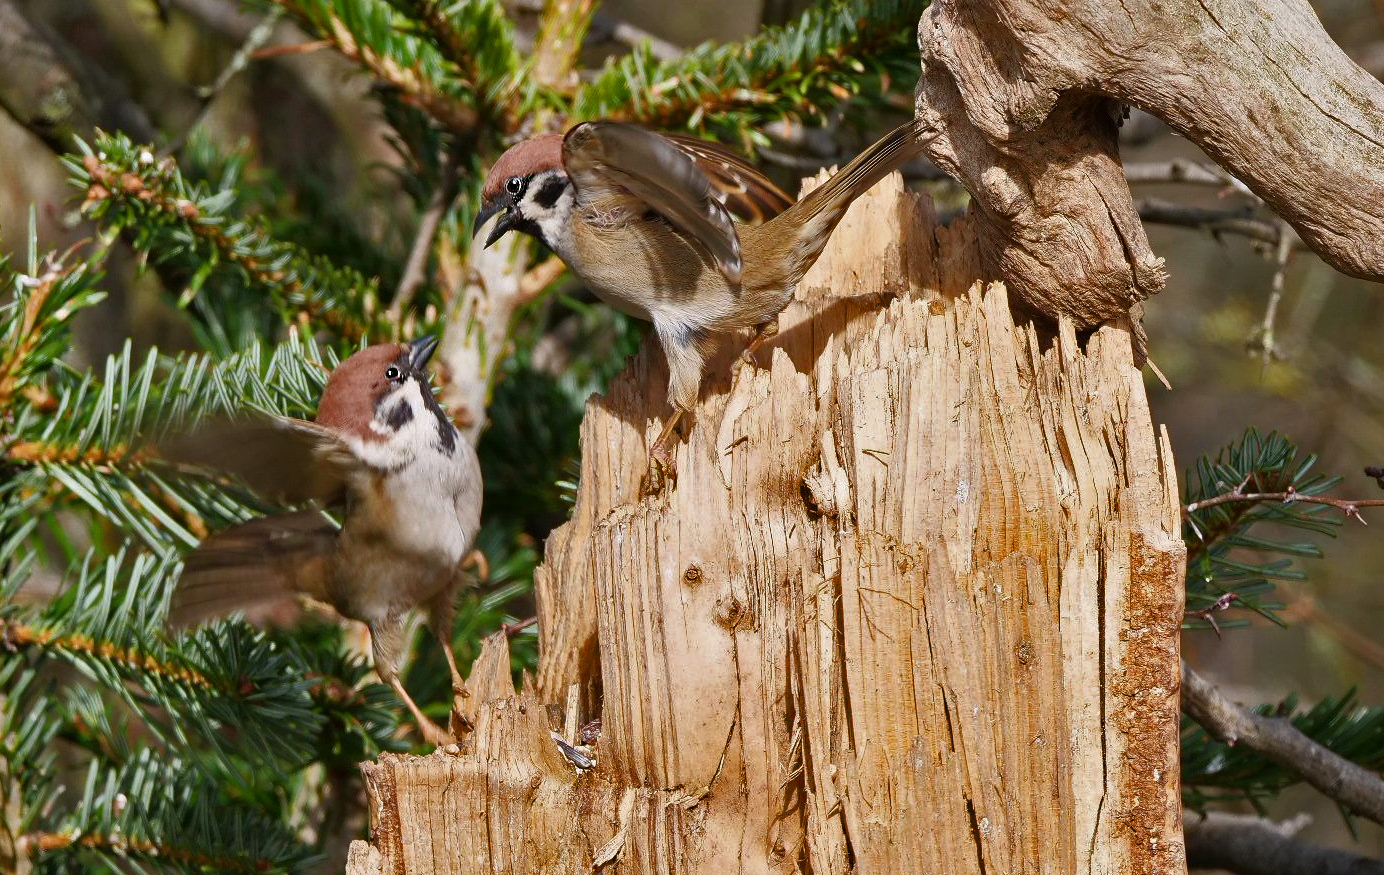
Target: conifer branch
x=1279, y=741
x=15, y=636
x=792, y=71
x=173, y=219
x=412, y=84
x=156, y=808
x=1350, y=507
x=38, y=844
x=1221, y=527
x=457, y=63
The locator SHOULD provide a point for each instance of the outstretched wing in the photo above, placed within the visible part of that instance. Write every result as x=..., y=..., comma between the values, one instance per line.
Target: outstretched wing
x=625, y=169
x=746, y=192
x=259, y=562
x=284, y=460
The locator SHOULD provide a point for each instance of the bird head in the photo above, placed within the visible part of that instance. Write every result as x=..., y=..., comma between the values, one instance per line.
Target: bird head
x=530, y=191
x=381, y=395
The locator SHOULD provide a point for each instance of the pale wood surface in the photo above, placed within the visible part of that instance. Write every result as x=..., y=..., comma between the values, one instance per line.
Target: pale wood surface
x=911, y=607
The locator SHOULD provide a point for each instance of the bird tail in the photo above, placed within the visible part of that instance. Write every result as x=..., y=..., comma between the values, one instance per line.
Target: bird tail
x=254, y=564
x=817, y=214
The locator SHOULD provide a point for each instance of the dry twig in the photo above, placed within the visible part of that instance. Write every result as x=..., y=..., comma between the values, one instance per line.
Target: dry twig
x=1349, y=507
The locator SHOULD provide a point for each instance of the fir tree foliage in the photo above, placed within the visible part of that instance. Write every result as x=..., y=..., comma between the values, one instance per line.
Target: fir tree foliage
x=228, y=716
x=1242, y=549
x=834, y=53
x=195, y=238
x=1237, y=548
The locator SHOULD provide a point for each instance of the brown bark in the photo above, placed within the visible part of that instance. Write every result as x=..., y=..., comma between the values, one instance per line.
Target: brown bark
x=1019, y=93
x=912, y=606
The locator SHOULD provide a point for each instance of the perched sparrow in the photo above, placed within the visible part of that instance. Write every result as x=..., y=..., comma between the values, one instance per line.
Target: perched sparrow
x=409, y=487
x=642, y=219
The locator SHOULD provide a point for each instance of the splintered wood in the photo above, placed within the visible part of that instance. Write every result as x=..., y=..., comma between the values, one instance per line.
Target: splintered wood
x=912, y=606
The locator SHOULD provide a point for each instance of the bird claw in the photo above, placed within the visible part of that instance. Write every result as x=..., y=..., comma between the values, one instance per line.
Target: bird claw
x=742, y=361
x=662, y=472
x=459, y=721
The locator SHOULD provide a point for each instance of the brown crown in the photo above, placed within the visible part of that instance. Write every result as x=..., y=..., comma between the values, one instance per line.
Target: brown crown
x=357, y=384
x=534, y=155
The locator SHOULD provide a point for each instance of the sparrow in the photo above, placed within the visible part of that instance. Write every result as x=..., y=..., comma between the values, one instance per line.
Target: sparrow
x=644, y=220
x=408, y=489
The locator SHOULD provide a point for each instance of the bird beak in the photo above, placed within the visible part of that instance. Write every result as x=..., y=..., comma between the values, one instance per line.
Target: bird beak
x=420, y=351
x=503, y=225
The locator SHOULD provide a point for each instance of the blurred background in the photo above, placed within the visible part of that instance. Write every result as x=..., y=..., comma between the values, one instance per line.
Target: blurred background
x=312, y=135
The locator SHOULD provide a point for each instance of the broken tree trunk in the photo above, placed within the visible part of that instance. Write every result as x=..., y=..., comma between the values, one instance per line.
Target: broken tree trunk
x=912, y=606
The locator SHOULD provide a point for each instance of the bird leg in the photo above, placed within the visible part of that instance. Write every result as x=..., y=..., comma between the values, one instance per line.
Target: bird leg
x=386, y=639
x=764, y=332
x=440, y=614
x=662, y=469
x=431, y=732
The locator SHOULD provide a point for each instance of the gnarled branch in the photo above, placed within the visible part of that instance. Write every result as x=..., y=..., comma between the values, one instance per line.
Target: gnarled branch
x=1022, y=95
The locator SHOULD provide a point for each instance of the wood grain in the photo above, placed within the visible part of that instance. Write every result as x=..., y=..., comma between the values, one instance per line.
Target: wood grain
x=912, y=606
x=1022, y=98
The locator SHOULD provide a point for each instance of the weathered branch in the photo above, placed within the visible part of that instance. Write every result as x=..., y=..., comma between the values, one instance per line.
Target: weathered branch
x=46, y=88
x=1277, y=740
x=1242, y=222
x=1253, y=846
x=1020, y=93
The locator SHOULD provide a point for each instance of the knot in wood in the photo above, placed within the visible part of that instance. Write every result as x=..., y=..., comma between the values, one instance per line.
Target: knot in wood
x=1025, y=653
x=729, y=612
x=692, y=576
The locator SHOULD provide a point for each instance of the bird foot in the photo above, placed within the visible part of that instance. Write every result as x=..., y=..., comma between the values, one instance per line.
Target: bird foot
x=745, y=359
x=662, y=471
x=459, y=721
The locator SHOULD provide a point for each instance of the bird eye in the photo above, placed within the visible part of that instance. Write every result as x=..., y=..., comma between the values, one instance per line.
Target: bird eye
x=514, y=185
x=391, y=373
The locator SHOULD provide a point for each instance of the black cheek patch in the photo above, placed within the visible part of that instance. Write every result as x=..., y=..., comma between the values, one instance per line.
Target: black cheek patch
x=548, y=195
x=400, y=416
x=446, y=433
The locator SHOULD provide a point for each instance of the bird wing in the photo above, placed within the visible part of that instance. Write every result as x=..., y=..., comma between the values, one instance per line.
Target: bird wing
x=629, y=170
x=746, y=192
x=255, y=563
x=285, y=460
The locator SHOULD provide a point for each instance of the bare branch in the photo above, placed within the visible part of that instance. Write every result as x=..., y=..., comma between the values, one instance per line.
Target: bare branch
x=1264, y=342
x=254, y=41
x=1277, y=740
x=415, y=268
x=605, y=26
x=1189, y=172
x=1241, y=221
x=1350, y=507
x=1253, y=846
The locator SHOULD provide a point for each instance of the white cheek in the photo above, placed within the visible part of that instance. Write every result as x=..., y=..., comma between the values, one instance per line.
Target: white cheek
x=556, y=225
x=398, y=447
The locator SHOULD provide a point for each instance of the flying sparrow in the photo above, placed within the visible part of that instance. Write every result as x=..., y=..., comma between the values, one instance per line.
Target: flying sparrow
x=644, y=220
x=409, y=488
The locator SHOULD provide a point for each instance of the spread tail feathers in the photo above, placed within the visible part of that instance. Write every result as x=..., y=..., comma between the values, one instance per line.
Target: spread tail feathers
x=254, y=563
x=819, y=211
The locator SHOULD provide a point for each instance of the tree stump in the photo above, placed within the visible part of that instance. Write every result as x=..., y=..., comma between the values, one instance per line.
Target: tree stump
x=912, y=607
